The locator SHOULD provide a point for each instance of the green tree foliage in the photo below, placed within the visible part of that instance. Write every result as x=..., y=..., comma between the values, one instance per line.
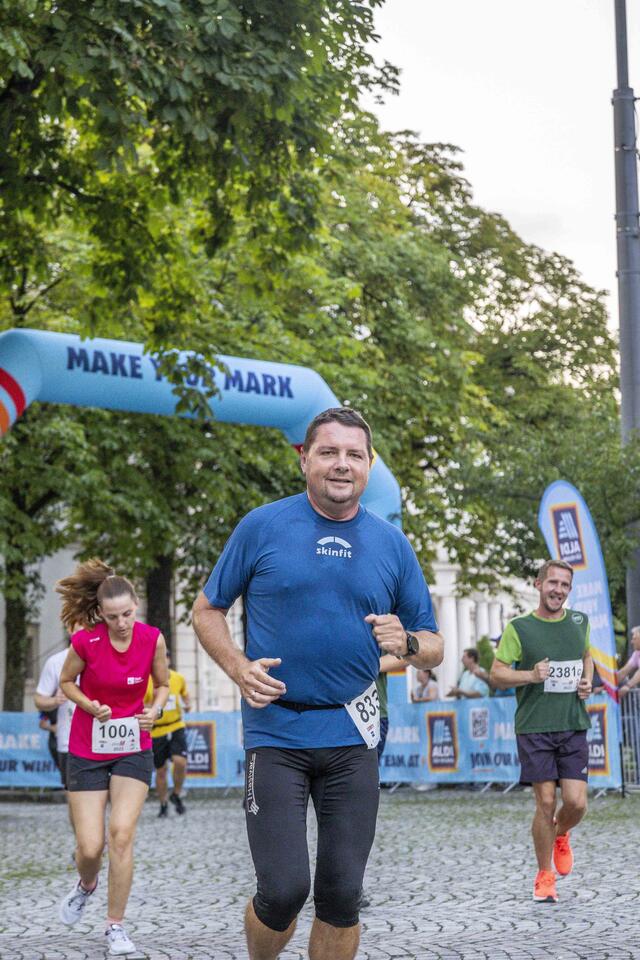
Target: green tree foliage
x=109, y=111
x=46, y=462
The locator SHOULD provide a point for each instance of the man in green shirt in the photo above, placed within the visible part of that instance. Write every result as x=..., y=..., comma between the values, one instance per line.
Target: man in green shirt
x=545, y=656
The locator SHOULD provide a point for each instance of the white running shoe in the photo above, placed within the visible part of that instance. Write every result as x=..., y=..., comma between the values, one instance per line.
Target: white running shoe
x=72, y=907
x=117, y=940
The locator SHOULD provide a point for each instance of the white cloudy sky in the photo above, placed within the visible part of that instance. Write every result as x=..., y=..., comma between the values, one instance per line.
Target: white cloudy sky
x=524, y=88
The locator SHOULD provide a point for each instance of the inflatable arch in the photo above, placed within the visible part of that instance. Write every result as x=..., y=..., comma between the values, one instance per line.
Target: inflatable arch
x=117, y=375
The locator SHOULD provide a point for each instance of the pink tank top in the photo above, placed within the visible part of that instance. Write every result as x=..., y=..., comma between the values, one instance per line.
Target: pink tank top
x=117, y=679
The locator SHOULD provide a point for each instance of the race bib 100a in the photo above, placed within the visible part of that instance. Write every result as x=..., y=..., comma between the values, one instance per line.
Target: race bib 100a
x=365, y=713
x=115, y=736
x=564, y=676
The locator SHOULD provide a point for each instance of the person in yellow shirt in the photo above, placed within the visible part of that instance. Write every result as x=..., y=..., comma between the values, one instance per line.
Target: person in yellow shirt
x=169, y=742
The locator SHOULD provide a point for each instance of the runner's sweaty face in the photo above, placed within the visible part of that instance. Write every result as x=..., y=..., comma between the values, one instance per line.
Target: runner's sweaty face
x=554, y=589
x=336, y=468
x=119, y=614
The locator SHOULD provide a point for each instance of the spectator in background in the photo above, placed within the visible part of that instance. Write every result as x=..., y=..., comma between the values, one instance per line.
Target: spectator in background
x=169, y=741
x=48, y=699
x=471, y=684
x=48, y=722
x=629, y=675
x=425, y=687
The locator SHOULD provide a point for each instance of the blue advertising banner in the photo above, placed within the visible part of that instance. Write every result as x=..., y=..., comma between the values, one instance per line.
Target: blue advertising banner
x=404, y=759
x=453, y=741
x=25, y=760
x=473, y=741
x=214, y=744
x=571, y=535
x=215, y=752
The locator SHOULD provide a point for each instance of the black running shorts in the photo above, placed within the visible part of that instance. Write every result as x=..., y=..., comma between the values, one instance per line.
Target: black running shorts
x=553, y=756
x=343, y=784
x=86, y=774
x=171, y=745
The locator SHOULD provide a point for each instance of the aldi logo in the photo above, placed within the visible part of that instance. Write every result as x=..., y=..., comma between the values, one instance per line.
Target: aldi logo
x=201, y=748
x=597, y=740
x=568, y=535
x=442, y=742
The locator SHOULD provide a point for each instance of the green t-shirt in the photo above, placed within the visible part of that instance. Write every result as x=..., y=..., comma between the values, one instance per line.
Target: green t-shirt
x=527, y=640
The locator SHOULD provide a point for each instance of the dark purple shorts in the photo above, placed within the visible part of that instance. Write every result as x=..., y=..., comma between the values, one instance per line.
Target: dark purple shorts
x=553, y=756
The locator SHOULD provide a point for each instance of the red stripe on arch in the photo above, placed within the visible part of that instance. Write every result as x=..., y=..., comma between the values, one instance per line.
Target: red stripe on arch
x=14, y=390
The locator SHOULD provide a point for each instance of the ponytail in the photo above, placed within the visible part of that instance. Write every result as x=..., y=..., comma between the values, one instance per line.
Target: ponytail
x=83, y=592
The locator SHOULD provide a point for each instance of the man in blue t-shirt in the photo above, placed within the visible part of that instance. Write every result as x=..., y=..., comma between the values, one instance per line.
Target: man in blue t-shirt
x=328, y=588
x=471, y=683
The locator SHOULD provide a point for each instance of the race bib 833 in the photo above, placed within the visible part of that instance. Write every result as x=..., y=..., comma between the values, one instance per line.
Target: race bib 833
x=365, y=713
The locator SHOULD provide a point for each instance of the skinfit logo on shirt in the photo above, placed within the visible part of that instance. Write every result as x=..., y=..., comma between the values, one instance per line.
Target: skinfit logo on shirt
x=333, y=547
x=131, y=680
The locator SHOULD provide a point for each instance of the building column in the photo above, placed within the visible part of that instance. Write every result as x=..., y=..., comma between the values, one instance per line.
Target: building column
x=482, y=619
x=495, y=619
x=463, y=613
x=448, y=670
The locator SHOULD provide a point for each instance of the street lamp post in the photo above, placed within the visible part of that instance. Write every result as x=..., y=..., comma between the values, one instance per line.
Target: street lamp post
x=628, y=249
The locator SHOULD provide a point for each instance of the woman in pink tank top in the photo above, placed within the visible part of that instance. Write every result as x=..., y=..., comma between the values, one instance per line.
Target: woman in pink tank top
x=110, y=757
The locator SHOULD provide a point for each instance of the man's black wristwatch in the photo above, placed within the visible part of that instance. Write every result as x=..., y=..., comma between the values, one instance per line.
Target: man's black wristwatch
x=413, y=646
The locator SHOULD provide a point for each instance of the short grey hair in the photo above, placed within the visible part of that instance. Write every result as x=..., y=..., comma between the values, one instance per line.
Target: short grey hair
x=546, y=566
x=344, y=415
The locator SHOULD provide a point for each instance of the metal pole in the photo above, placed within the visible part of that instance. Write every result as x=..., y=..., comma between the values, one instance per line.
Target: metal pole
x=628, y=245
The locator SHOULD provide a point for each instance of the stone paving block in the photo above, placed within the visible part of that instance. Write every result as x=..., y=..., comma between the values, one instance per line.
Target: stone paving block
x=449, y=878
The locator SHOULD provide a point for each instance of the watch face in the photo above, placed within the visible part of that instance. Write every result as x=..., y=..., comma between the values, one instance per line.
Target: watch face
x=412, y=644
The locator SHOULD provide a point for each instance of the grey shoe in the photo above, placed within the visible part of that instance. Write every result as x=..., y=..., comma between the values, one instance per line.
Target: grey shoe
x=73, y=905
x=118, y=941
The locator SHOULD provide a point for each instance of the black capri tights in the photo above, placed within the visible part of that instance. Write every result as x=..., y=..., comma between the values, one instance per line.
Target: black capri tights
x=343, y=784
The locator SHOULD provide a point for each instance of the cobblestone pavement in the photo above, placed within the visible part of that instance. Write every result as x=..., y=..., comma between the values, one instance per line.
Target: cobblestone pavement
x=449, y=878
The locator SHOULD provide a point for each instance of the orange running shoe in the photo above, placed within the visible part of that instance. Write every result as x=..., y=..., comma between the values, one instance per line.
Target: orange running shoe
x=544, y=887
x=562, y=855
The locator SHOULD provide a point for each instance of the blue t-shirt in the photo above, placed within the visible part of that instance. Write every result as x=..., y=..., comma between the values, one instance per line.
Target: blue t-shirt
x=472, y=684
x=308, y=583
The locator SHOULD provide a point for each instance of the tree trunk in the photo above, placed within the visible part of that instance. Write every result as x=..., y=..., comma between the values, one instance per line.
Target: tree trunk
x=159, y=585
x=17, y=644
